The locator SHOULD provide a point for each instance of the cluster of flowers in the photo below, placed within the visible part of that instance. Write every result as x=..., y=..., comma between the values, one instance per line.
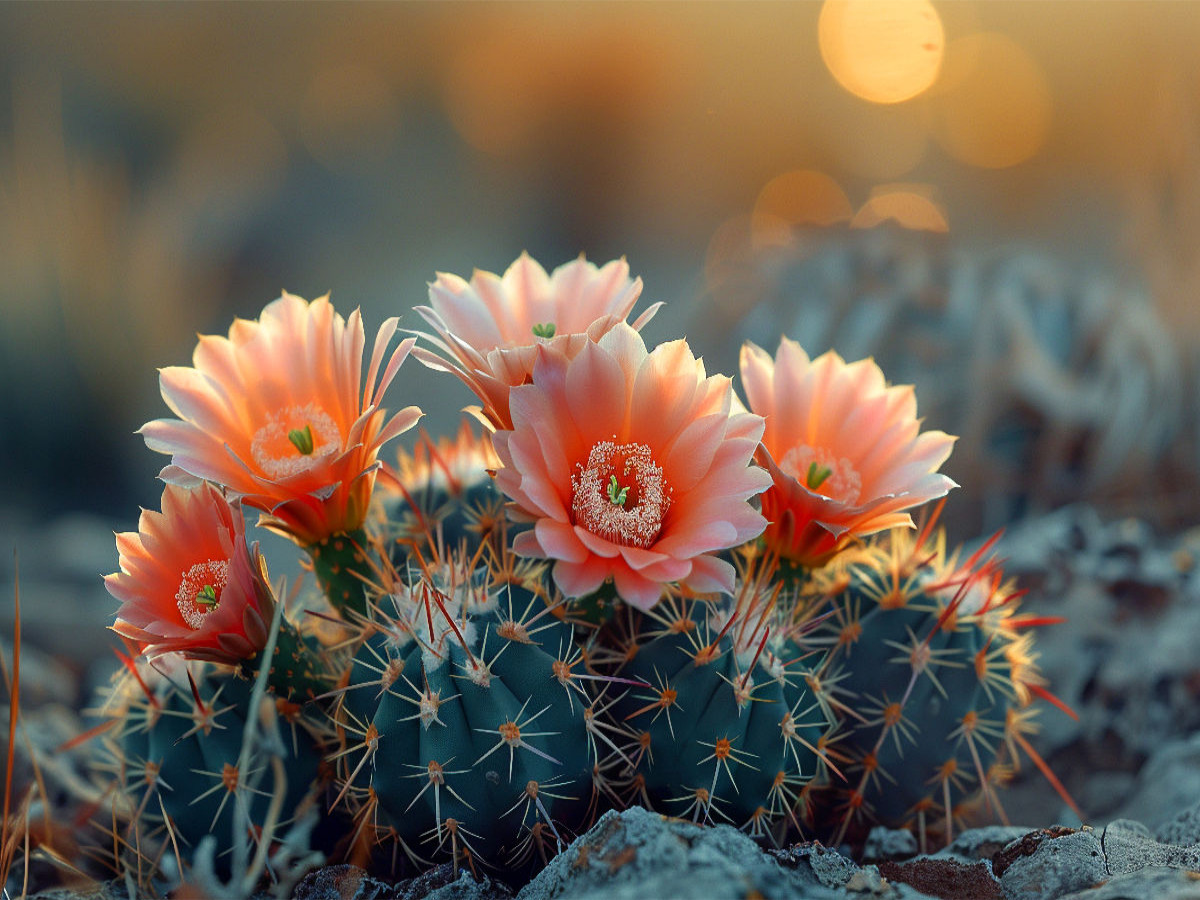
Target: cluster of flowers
x=635, y=468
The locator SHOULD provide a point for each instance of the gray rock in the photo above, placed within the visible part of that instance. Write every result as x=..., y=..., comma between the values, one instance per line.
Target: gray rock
x=823, y=864
x=1129, y=846
x=1183, y=830
x=889, y=843
x=1145, y=884
x=983, y=843
x=1170, y=774
x=443, y=882
x=1057, y=865
x=637, y=854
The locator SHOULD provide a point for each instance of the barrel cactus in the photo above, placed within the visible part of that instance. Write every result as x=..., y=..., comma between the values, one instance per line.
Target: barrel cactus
x=467, y=728
x=727, y=727
x=931, y=676
x=199, y=756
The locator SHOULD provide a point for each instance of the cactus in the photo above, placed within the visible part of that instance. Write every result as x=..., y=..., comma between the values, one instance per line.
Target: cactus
x=440, y=497
x=468, y=711
x=188, y=763
x=341, y=564
x=466, y=727
x=727, y=728
x=932, y=681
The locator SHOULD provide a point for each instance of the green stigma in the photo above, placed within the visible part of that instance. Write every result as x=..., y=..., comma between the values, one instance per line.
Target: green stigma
x=302, y=439
x=616, y=493
x=817, y=475
x=545, y=330
x=207, y=596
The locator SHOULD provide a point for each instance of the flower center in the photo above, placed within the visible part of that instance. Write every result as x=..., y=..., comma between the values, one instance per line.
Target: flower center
x=200, y=590
x=620, y=495
x=295, y=440
x=820, y=471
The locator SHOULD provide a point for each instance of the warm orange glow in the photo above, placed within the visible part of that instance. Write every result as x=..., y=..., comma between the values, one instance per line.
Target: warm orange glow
x=803, y=197
x=899, y=135
x=997, y=114
x=490, y=96
x=348, y=116
x=727, y=246
x=905, y=205
x=885, y=51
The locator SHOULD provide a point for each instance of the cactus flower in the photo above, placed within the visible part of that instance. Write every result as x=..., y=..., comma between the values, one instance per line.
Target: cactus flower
x=277, y=413
x=844, y=450
x=633, y=466
x=489, y=329
x=188, y=582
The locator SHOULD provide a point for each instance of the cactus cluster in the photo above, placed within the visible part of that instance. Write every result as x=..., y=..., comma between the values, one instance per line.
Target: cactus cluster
x=466, y=730
x=508, y=633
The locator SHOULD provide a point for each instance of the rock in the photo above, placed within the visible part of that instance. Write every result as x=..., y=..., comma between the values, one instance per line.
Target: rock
x=1170, y=774
x=1146, y=884
x=889, y=843
x=1129, y=846
x=828, y=867
x=346, y=882
x=983, y=843
x=1183, y=830
x=637, y=854
x=1049, y=864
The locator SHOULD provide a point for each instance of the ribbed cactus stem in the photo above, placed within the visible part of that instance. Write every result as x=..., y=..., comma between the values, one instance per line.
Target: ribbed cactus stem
x=295, y=670
x=340, y=563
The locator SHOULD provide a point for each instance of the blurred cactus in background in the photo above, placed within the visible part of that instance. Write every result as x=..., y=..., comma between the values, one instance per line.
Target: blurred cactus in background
x=643, y=582
x=1060, y=386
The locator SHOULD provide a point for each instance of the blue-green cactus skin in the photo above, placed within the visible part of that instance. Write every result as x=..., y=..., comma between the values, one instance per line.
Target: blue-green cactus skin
x=194, y=748
x=727, y=734
x=481, y=745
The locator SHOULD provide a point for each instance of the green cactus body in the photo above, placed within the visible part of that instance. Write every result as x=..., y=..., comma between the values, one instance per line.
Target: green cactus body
x=931, y=681
x=442, y=499
x=180, y=750
x=342, y=565
x=477, y=734
x=728, y=729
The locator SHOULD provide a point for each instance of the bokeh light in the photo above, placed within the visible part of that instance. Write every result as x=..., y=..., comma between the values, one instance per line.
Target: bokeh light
x=884, y=51
x=996, y=109
x=802, y=197
x=909, y=206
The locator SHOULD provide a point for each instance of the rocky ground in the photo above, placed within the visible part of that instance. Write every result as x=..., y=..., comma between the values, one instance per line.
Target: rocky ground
x=1126, y=662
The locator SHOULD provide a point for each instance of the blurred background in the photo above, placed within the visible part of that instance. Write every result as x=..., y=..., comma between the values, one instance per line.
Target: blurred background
x=1000, y=201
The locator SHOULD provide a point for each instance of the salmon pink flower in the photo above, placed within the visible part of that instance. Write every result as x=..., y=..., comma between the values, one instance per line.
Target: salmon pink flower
x=489, y=329
x=842, y=447
x=188, y=582
x=278, y=414
x=632, y=465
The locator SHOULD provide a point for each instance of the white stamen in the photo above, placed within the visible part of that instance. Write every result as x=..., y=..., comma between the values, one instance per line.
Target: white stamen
x=278, y=456
x=213, y=574
x=635, y=522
